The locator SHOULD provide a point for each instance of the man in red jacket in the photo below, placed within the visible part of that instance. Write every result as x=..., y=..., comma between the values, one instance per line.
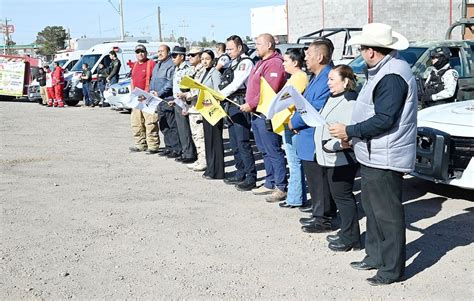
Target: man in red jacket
x=270, y=67
x=58, y=85
x=144, y=125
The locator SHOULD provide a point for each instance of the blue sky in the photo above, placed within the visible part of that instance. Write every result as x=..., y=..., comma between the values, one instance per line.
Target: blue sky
x=96, y=18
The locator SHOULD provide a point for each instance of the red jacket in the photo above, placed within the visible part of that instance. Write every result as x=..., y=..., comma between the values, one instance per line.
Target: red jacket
x=272, y=70
x=58, y=76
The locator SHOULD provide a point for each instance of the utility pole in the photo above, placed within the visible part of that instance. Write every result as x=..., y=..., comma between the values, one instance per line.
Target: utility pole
x=184, y=31
x=160, y=37
x=122, y=27
x=120, y=12
x=6, y=37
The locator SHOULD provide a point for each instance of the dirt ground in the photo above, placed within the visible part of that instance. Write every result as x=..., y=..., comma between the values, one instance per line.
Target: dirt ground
x=83, y=218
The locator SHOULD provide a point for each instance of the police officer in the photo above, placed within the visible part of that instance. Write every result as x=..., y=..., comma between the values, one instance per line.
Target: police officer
x=233, y=86
x=442, y=84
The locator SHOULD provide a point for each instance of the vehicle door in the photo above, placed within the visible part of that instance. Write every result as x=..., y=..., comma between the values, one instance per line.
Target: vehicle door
x=463, y=61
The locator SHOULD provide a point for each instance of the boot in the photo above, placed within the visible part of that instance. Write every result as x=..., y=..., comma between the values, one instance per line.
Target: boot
x=50, y=103
x=55, y=104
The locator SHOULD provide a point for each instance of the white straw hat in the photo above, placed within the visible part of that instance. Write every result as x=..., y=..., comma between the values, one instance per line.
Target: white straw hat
x=379, y=35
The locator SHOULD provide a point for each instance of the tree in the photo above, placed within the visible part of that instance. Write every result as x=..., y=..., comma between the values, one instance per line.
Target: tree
x=51, y=39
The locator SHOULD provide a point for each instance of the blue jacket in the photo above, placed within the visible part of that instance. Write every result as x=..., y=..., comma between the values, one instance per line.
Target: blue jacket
x=162, y=78
x=316, y=93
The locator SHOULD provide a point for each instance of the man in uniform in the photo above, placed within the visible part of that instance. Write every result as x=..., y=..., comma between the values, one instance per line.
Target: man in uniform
x=162, y=86
x=114, y=68
x=233, y=87
x=144, y=125
x=270, y=67
x=58, y=84
x=86, y=78
x=195, y=118
x=222, y=58
x=383, y=134
x=442, y=83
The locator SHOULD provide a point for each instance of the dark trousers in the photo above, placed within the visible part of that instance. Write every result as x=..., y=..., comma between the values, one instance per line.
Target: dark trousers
x=101, y=84
x=86, y=93
x=318, y=186
x=385, y=238
x=188, y=149
x=239, y=138
x=341, y=182
x=269, y=144
x=168, y=126
x=214, y=148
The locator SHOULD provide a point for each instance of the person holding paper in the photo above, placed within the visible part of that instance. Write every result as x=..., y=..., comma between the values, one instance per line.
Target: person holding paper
x=233, y=87
x=318, y=59
x=383, y=131
x=296, y=197
x=144, y=125
x=162, y=86
x=337, y=160
x=270, y=68
x=188, y=149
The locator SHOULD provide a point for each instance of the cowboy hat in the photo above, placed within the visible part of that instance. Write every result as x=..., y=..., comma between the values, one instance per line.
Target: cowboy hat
x=380, y=35
x=179, y=50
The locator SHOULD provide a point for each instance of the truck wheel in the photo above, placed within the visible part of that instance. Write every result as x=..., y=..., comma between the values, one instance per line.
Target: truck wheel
x=71, y=102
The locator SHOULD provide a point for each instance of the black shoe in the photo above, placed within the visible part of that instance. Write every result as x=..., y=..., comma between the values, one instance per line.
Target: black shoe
x=179, y=159
x=331, y=238
x=233, y=180
x=307, y=209
x=338, y=246
x=207, y=177
x=306, y=221
x=152, y=151
x=134, y=149
x=164, y=153
x=188, y=160
x=362, y=266
x=246, y=185
x=377, y=281
x=316, y=228
x=286, y=205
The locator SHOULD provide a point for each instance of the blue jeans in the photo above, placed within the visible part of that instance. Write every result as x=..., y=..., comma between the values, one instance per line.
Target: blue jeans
x=296, y=195
x=86, y=93
x=269, y=144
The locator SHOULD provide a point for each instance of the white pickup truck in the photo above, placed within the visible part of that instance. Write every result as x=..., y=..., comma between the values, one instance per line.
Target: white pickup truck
x=445, y=144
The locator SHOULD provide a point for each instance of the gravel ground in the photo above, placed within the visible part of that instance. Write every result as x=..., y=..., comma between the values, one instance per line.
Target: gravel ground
x=83, y=218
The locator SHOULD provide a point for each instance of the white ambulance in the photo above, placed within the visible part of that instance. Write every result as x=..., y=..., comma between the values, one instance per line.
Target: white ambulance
x=100, y=54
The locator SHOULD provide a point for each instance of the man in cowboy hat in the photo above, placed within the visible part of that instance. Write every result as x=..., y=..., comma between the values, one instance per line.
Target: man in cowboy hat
x=383, y=135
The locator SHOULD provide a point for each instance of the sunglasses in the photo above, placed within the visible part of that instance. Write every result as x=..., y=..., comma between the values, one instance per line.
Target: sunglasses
x=139, y=51
x=192, y=54
x=174, y=55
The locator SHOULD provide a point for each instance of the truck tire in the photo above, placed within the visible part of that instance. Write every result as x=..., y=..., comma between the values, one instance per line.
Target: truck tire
x=71, y=102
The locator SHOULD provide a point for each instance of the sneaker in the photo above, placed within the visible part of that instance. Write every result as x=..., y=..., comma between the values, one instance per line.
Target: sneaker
x=262, y=190
x=191, y=166
x=276, y=196
x=199, y=167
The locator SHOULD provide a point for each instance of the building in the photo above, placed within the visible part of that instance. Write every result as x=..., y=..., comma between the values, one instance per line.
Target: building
x=269, y=19
x=415, y=19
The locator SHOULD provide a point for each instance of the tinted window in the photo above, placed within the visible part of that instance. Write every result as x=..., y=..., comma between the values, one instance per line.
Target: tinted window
x=89, y=59
x=411, y=55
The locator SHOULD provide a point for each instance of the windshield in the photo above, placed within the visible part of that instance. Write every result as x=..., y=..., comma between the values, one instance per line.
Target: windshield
x=411, y=55
x=89, y=59
x=61, y=62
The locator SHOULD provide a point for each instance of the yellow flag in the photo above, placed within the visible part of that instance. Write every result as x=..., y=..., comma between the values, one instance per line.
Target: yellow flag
x=279, y=120
x=266, y=96
x=209, y=107
x=189, y=83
